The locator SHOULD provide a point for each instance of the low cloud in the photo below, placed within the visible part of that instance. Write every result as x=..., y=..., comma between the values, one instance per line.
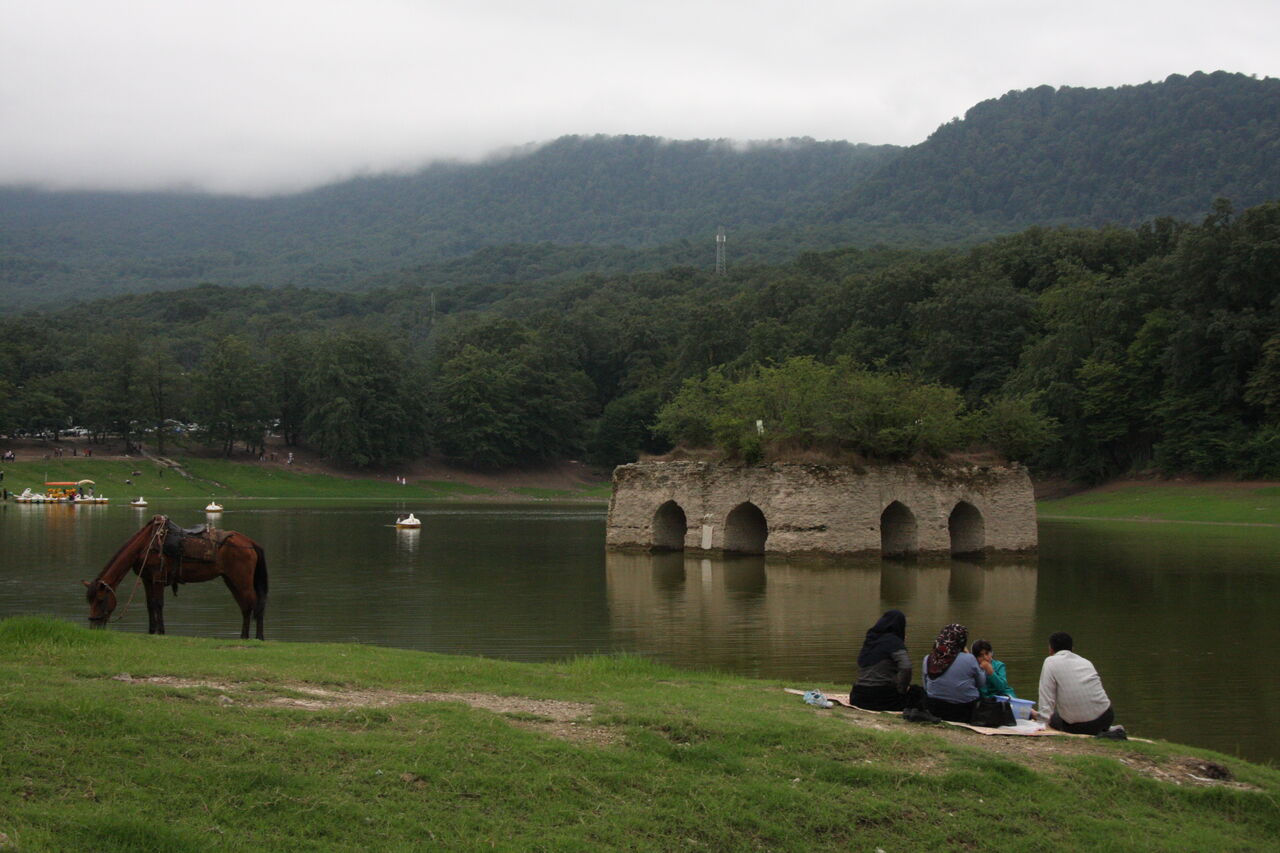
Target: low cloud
x=278, y=95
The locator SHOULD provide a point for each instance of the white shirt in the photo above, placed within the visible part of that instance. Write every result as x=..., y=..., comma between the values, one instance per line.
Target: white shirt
x=1070, y=685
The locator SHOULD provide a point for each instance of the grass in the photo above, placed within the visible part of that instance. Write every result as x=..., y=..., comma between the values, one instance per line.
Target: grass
x=223, y=479
x=599, y=490
x=1218, y=503
x=658, y=759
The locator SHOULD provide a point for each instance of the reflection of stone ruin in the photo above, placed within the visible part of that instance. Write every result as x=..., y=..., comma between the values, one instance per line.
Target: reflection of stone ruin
x=803, y=618
x=896, y=510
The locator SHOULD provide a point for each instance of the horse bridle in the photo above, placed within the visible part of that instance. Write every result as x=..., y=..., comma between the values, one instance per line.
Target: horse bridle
x=157, y=540
x=104, y=617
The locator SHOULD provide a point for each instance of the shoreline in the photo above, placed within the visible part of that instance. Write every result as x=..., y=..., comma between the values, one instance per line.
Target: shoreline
x=1143, y=520
x=124, y=477
x=204, y=475
x=331, y=745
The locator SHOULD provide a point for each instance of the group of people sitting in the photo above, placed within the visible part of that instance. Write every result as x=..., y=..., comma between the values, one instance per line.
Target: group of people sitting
x=955, y=679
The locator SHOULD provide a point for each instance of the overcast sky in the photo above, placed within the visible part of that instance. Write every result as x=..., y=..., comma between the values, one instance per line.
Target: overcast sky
x=275, y=95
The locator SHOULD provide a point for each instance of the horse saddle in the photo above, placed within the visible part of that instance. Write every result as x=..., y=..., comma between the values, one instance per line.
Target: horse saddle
x=192, y=544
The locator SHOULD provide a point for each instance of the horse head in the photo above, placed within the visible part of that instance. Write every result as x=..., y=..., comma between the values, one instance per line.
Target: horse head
x=133, y=555
x=102, y=600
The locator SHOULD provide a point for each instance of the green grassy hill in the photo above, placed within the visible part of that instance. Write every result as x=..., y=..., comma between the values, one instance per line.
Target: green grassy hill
x=222, y=479
x=121, y=742
x=1218, y=503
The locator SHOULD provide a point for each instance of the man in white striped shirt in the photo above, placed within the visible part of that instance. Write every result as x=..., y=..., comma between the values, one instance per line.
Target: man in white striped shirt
x=1071, y=695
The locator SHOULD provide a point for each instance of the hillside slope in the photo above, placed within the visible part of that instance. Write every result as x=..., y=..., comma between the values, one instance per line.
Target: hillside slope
x=619, y=204
x=636, y=192
x=1090, y=156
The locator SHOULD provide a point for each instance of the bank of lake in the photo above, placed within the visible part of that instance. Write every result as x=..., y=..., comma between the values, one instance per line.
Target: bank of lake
x=121, y=480
x=116, y=741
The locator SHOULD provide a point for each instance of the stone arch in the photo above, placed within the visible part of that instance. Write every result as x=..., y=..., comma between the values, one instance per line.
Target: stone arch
x=669, y=527
x=968, y=530
x=745, y=529
x=898, y=536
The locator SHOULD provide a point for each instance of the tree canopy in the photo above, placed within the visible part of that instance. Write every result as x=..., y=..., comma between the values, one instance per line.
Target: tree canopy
x=1090, y=352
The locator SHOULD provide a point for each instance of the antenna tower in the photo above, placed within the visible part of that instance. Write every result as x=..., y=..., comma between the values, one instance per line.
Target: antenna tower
x=720, y=239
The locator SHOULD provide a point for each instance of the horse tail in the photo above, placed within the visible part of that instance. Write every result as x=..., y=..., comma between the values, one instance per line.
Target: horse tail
x=260, y=578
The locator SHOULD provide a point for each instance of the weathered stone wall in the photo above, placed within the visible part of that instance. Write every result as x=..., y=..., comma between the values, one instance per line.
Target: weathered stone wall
x=821, y=509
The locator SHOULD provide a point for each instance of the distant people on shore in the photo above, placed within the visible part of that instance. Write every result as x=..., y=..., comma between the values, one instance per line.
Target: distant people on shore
x=884, y=668
x=952, y=677
x=997, y=680
x=1071, y=697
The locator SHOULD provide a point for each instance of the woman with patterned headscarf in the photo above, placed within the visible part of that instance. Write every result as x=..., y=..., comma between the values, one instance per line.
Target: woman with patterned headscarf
x=952, y=677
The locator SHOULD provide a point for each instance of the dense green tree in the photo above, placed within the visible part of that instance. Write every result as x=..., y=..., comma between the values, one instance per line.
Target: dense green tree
x=365, y=401
x=42, y=405
x=113, y=399
x=166, y=390
x=502, y=396
x=290, y=357
x=624, y=430
x=230, y=396
x=1263, y=386
x=1014, y=427
x=1150, y=348
x=969, y=333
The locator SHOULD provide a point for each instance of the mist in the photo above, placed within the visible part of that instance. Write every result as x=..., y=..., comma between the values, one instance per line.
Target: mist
x=279, y=96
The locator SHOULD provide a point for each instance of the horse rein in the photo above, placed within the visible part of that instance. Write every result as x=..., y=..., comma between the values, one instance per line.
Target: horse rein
x=157, y=539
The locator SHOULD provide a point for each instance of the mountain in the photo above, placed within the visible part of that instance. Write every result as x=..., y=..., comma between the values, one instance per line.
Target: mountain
x=1089, y=156
x=630, y=191
x=609, y=204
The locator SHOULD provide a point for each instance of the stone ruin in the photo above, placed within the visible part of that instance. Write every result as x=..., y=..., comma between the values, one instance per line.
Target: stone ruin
x=837, y=510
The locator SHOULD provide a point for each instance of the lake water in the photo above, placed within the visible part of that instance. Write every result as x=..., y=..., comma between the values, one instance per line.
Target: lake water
x=1180, y=620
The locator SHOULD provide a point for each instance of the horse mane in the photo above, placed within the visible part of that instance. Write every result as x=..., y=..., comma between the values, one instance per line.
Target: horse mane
x=113, y=571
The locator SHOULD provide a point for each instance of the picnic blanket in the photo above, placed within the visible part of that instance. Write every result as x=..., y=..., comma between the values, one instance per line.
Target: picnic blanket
x=1024, y=728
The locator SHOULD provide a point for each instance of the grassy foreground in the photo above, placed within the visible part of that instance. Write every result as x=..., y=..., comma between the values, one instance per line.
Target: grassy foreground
x=225, y=479
x=231, y=745
x=1220, y=503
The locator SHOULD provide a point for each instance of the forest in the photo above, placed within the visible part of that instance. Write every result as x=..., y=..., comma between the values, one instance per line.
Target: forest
x=1089, y=352
x=584, y=205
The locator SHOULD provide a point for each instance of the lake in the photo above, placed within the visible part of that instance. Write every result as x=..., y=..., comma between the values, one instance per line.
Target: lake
x=1179, y=619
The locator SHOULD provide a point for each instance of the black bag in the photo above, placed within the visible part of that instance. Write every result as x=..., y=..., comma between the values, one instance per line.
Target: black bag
x=992, y=714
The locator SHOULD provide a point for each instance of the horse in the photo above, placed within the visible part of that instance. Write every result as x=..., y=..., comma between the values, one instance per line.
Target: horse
x=232, y=556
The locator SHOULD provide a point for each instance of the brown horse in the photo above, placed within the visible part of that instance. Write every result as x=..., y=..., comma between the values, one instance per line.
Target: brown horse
x=157, y=556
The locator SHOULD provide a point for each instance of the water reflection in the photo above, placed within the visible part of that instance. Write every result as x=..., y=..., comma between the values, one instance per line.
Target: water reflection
x=407, y=539
x=1180, y=621
x=781, y=617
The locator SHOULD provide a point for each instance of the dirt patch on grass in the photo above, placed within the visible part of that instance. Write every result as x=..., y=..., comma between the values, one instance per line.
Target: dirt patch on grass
x=565, y=720
x=1185, y=770
x=1041, y=753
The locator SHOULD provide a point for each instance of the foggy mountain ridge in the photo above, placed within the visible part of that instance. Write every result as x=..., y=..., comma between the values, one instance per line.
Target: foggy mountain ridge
x=615, y=203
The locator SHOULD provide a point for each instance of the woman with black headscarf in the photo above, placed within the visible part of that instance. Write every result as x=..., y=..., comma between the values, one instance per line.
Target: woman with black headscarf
x=884, y=668
x=952, y=677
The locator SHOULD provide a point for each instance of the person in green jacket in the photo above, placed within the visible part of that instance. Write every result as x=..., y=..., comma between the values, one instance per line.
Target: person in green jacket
x=997, y=681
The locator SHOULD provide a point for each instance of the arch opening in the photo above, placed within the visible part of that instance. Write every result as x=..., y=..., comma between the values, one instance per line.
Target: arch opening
x=898, y=537
x=967, y=528
x=669, y=527
x=745, y=530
